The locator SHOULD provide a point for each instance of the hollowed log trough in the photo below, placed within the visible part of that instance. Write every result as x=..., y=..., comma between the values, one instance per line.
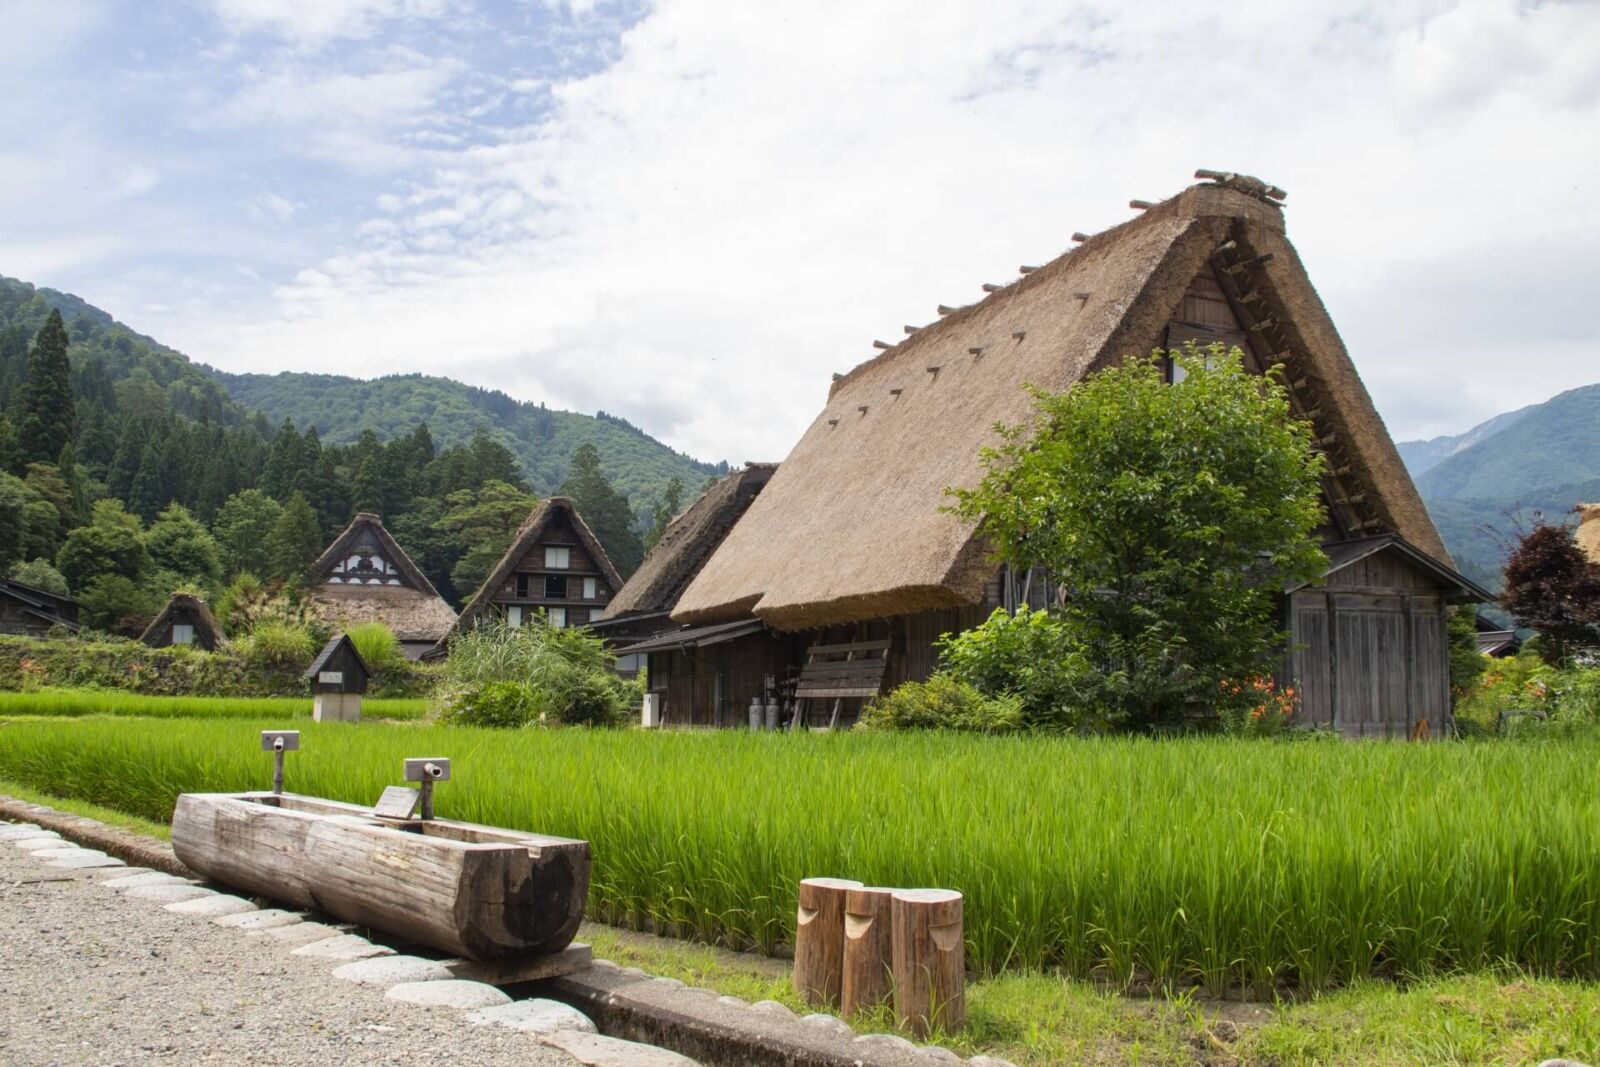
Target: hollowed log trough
x=480, y=892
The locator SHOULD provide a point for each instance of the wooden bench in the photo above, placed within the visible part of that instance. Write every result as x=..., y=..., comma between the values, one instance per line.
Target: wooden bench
x=851, y=671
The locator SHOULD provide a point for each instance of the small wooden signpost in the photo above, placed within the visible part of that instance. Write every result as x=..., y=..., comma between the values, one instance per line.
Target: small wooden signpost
x=819, y=939
x=338, y=677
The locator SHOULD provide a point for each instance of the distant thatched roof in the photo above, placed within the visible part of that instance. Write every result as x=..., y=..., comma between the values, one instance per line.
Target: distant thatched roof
x=412, y=608
x=526, y=537
x=851, y=527
x=1588, y=532
x=208, y=632
x=689, y=540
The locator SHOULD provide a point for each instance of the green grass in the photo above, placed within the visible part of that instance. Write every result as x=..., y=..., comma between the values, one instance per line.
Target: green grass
x=109, y=816
x=77, y=703
x=1232, y=864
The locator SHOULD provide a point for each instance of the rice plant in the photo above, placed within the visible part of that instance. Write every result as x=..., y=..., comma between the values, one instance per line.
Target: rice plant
x=1233, y=864
x=78, y=703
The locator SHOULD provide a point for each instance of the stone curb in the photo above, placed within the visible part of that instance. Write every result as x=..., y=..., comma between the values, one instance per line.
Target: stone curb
x=137, y=849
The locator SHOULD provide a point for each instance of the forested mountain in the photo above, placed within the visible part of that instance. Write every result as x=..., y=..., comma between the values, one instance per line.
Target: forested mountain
x=544, y=441
x=1420, y=456
x=127, y=471
x=1540, y=459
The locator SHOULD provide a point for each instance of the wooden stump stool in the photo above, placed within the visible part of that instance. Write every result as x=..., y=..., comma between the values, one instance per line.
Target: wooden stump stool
x=819, y=939
x=868, y=949
x=930, y=979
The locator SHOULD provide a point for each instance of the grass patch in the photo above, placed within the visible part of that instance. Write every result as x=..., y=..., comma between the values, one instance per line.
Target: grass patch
x=109, y=816
x=79, y=703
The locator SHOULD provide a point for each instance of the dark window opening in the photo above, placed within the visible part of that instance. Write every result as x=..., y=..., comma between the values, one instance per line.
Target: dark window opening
x=555, y=586
x=522, y=587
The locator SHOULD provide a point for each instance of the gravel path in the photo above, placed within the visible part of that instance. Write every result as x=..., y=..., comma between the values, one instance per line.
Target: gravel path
x=92, y=976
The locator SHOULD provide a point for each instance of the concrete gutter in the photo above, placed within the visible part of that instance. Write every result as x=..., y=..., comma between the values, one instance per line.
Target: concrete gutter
x=623, y=1002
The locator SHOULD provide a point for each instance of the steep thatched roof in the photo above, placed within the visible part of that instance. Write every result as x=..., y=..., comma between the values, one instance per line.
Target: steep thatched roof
x=689, y=540
x=1588, y=532
x=526, y=537
x=851, y=527
x=411, y=607
x=208, y=632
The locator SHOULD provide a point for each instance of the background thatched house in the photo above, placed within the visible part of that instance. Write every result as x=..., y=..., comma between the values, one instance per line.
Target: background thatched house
x=185, y=620
x=1588, y=532
x=29, y=611
x=554, y=565
x=365, y=576
x=849, y=541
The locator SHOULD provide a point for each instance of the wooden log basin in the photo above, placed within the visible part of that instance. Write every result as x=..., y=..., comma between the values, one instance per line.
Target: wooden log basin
x=475, y=891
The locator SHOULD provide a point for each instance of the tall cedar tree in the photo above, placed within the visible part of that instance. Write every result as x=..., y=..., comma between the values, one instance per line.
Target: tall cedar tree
x=47, y=398
x=296, y=539
x=1553, y=588
x=603, y=508
x=1172, y=515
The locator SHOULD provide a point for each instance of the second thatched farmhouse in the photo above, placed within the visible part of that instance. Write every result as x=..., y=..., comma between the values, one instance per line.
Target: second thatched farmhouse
x=839, y=578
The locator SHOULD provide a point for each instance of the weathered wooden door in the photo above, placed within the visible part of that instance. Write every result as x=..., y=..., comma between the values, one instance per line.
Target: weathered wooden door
x=1370, y=668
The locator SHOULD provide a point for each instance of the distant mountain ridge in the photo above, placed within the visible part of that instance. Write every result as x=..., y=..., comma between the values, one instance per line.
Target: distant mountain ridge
x=543, y=439
x=1482, y=485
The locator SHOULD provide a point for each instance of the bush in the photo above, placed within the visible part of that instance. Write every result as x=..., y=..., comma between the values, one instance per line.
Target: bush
x=378, y=646
x=570, y=677
x=280, y=645
x=944, y=703
x=502, y=704
x=1028, y=655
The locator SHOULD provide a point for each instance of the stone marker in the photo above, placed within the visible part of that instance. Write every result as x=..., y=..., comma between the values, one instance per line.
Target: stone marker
x=261, y=919
x=594, y=1050
x=534, y=1016
x=169, y=894
x=297, y=934
x=342, y=947
x=392, y=970
x=447, y=993
x=213, y=907
x=134, y=881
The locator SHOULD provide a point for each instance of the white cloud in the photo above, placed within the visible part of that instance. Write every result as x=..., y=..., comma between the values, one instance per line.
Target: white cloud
x=313, y=23
x=698, y=234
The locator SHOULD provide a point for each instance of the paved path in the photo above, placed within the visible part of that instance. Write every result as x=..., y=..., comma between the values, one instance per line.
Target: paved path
x=91, y=976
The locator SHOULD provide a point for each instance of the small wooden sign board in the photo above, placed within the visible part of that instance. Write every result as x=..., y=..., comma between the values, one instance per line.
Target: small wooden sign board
x=397, y=802
x=330, y=677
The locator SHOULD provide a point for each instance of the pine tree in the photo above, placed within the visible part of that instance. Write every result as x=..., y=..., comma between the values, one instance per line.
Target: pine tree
x=605, y=510
x=47, y=398
x=664, y=512
x=296, y=540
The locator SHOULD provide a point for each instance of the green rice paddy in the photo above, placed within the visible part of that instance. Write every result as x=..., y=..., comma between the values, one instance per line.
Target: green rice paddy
x=1237, y=865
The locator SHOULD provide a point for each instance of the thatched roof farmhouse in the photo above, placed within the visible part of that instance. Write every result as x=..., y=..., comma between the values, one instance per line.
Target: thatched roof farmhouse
x=365, y=576
x=185, y=620
x=1588, y=532
x=555, y=565
x=849, y=542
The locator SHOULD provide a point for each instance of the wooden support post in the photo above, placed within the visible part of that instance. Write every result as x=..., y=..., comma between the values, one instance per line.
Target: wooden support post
x=819, y=939
x=868, y=949
x=930, y=979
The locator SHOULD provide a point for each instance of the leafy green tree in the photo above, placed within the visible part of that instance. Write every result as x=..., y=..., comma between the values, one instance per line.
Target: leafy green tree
x=152, y=487
x=117, y=603
x=14, y=499
x=47, y=411
x=1171, y=515
x=296, y=540
x=665, y=510
x=179, y=543
x=39, y=574
x=482, y=521
x=605, y=510
x=1467, y=664
x=10, y=451
x=112, y=544
x=243, y=529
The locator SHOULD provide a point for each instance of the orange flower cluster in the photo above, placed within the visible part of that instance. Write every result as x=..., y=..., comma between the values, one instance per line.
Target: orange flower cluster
x=1271, y=701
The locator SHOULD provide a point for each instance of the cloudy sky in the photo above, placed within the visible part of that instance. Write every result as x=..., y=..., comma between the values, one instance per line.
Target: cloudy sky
x=690, y=213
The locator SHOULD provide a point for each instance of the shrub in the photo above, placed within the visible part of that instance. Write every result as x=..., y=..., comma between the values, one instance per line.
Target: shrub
x=1028, y=655
x=502, y=704
x=280, y=645
x=572, y=677
x=944, y=703
x=378, y=645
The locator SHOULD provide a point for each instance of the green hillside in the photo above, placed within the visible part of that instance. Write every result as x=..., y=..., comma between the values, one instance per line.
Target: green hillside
x=543, y=440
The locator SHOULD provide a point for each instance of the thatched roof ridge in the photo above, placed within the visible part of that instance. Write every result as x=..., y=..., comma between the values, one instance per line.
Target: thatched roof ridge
x=527, y=534
x=366, y=521
x=1588, y=532
x=851, y=526
x=204, y=620
x=688, y=541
